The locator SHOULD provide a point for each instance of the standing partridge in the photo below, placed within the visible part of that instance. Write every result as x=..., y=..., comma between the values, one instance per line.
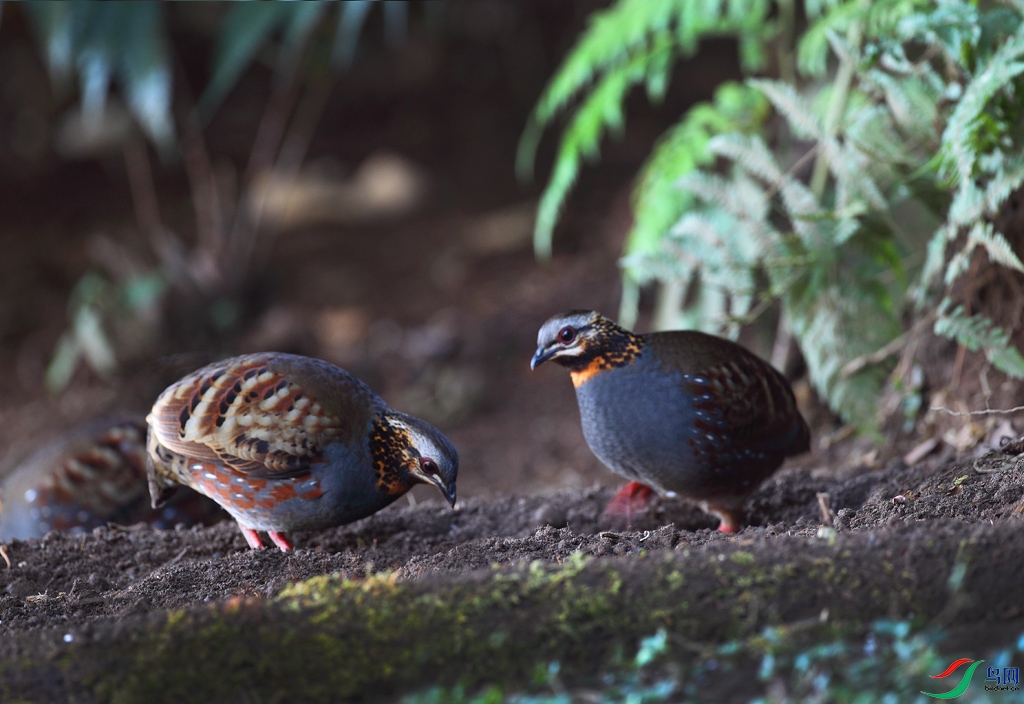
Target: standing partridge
x=285, y=442
x=88, y=477
x=682, y=412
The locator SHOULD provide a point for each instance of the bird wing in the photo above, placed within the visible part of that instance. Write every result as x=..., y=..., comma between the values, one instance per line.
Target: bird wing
x=264, y=415
x=756, y=395
x=745, y=393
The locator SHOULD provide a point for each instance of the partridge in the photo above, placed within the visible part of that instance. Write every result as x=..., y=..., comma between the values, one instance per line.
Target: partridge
x=90, y=476
x=284, y=442
x=681, y=412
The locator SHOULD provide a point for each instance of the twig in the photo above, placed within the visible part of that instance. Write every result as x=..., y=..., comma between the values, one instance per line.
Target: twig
x=3, y=554
x=837, y=103
x=986, y=412
x=285, y=170
x=140, y=182
x=858, y=363
x=206, y=200
x=792, y=170
x=175, y=559
x=828, y=516
x=269, y=136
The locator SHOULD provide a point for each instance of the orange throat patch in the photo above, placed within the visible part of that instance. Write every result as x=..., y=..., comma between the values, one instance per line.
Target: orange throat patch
x=596, y=366
x=616, y=352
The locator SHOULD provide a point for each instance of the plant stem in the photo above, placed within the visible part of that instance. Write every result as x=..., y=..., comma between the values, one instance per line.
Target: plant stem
x=837, y=103
x=786, y=48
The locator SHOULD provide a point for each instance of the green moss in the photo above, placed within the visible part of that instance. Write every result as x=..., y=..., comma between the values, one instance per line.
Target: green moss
x=742, y=557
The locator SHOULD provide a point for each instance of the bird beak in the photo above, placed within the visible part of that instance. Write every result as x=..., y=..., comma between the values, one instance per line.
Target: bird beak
x=540, y=356
x=448, y=492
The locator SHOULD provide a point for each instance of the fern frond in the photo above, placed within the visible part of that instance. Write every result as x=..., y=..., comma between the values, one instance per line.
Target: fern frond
x=968, y=204
x=999, y=250
x=812, y=50
x=791, y=105
x=638, y=39
x=611, y=39
x=657, y=199
x=1006, y=181
x=601, y=110
x=752, y=152
x=910, y=100
x=976, y=332
x=960, y=138
x=950, y=27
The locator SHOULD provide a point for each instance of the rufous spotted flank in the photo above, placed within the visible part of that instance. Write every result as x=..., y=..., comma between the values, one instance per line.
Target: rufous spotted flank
x=285, y=442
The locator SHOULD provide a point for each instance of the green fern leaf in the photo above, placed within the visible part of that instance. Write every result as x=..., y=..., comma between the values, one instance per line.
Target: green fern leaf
x=793, y=107
x=976, y=333
x=999, y=250
x=960, y=138
x=658, y=202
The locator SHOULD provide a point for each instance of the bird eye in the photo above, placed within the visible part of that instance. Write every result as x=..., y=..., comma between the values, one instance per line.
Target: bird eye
x=567, y=334
x=428, y=466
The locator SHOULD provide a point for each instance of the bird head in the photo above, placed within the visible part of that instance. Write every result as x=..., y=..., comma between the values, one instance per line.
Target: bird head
x=420, y=454
x=569, y=338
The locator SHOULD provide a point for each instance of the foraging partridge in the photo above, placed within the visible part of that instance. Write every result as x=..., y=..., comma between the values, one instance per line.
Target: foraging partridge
x=681, y=412
x=91, y=476
x=285, y=442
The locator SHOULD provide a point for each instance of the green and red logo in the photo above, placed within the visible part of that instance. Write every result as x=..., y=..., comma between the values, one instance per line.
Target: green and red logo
x=964, y=681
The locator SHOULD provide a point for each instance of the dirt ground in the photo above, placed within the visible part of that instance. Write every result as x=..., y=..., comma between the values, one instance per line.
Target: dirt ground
x=70, y=582
x=437, y=309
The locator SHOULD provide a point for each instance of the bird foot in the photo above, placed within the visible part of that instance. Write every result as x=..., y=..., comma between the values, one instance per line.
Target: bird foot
x=731, y=519
x=253, y=538
x=630, y=499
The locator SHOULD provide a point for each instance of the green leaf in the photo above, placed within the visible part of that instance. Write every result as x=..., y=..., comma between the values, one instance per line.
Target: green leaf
x=351, y=18
x=976, y=332
x=658, y=202
x=961, y=137
x=246, y=27
x=145, y=67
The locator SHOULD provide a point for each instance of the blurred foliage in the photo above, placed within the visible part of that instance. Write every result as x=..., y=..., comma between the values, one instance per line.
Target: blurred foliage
x=126, y=46
x=895, y=145
x=126, y=43
x=887, y=661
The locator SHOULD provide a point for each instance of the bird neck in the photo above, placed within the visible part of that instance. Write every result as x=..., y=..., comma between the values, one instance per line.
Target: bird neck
x=609, y=347
x=387, y=452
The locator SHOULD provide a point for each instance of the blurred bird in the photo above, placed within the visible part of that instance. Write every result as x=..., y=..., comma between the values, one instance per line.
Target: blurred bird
x=285, y=442
x=681, y=412
x=89, y=477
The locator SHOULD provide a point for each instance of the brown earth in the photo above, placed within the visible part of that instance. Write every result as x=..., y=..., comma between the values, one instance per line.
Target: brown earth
x=437, y=310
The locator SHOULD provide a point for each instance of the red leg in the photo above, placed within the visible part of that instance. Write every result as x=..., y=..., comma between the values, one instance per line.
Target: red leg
x=252, y=537
x=279, y=540
x=731, y=518
x=629, y=499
